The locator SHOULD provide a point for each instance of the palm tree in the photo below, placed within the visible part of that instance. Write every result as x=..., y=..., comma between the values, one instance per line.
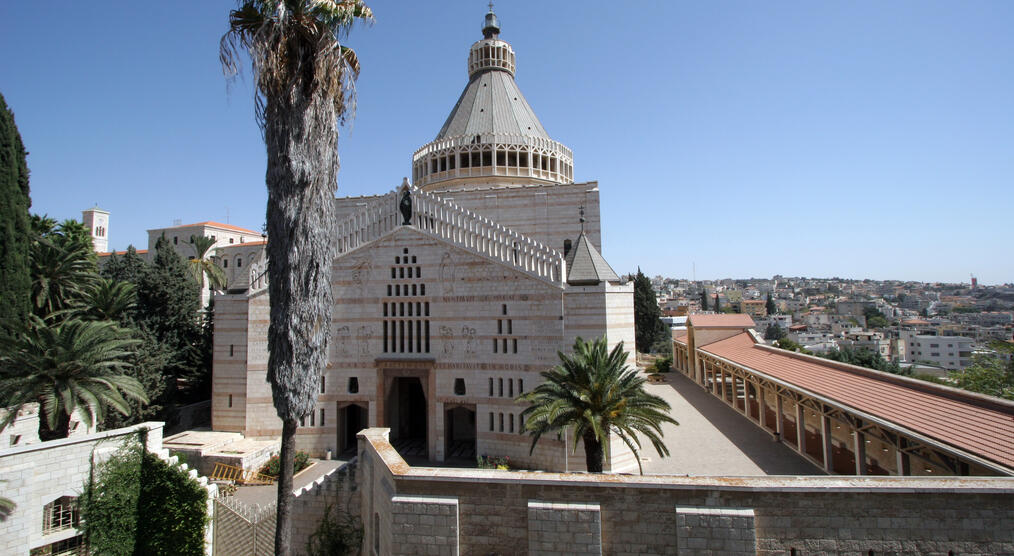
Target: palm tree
x=65, y=367
x=593, y=391
x=202, y=267
x=304, y=80
x=61, y=272
x=109, y=299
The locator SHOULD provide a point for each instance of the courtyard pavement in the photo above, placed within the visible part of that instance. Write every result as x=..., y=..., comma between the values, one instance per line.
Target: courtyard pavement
x=713, y=439
x=266, y=494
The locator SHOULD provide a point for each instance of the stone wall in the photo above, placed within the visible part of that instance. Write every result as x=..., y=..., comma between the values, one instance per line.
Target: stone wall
x=655, y=514
x=37, y=474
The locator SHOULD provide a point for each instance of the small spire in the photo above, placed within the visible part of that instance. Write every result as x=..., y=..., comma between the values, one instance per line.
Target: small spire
x=581, y=208
x=491, y=26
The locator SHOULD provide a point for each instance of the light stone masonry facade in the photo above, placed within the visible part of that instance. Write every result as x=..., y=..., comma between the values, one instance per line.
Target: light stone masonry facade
x=653, y=514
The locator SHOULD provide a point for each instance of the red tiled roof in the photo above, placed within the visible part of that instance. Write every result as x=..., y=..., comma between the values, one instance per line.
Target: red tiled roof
x=106, y=254
x=721, y=321
x=245, y=244
x=219, y=225
x=680, y=336
x=986, y=431
x=914, y=321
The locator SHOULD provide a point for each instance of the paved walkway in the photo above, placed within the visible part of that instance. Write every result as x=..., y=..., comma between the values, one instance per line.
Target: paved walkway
x=264, y=495
x=713, y=439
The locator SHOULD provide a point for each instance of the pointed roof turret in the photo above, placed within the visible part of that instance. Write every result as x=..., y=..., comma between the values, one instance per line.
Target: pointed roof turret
x=586, y=266
x=491, y=133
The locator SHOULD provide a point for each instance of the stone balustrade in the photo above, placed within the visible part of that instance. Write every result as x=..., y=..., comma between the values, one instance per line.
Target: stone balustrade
x=461, y=227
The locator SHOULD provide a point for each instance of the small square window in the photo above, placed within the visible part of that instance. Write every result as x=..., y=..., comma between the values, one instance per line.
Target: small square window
x=353, y=385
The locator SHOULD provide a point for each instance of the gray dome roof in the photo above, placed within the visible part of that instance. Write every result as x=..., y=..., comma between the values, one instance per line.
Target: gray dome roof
x=492, y=103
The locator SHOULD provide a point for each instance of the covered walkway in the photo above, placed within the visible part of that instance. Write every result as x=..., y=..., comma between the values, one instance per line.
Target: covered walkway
x=846, y=419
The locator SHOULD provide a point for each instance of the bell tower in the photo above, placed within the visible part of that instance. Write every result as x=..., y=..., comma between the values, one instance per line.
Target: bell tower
x=97, y=222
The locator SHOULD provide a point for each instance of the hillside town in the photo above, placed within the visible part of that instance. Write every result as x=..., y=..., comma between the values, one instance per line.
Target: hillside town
x=930, y=328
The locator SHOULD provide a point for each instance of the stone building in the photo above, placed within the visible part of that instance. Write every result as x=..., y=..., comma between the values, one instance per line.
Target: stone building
x=452, y=293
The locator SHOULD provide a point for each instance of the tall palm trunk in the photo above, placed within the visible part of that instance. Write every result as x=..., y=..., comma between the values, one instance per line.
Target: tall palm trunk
x=301, y=135
x=62, y=429
x=593, y=453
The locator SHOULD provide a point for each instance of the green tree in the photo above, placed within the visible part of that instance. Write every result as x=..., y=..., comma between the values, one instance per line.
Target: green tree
x=108, y=299
x=864, y=357
x=15, y=227
x=704, y=300
x=769, y=305
x=718, y=305
x=789, y=345
x=774, y=332
x=595, y=393
x=62, y=266
x=648, y=326
x=202, y=267
x=126, y=268
x=304, y=80
x=168, y=302
x=67, y=366
x=875, y=318
x=986, y=375
x=138, y=504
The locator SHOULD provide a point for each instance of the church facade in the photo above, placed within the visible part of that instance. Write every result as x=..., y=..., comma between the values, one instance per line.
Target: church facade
x=452, y=293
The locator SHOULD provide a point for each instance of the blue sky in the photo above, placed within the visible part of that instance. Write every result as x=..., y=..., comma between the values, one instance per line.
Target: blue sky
x=852, y=139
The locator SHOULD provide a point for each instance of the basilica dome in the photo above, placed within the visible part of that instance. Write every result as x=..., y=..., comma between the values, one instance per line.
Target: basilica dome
x=492, y=135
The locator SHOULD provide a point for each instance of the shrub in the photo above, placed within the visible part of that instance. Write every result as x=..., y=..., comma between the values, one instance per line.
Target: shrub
x=135, y=503
x=502, y=463
x=273, y=466
x=338, y=532
x=663, y=365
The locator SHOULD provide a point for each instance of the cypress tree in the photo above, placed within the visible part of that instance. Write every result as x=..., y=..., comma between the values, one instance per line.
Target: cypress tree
x=648, y=325
x=770, y=305
x=15, y=229
x=704, y=300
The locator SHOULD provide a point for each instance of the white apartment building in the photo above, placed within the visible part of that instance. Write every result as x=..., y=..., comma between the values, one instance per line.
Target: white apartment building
x=949, y=352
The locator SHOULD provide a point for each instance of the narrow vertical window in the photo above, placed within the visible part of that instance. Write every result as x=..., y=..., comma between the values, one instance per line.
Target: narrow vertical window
x=490, y=421
x=459, y=386
x=394, y=273
x=389, y=290
x=501, y=387
x=410, y=335
x=510, y=326
x=499, y=326
x=422, y=289
x=501, y=422
x=418, y=336
x=521, y=386
x=504, y=341
x=231, y=351
x=401, y=336
x=515, y=341
x=504, y=309
x=323, y=383
x=230, y=400
x=385, y=309
x=510, y=387
x=418, y=271
x=512, y=422
x=312, y=419
x=322, y=417
x=427, y=336
x=427, y=306
x=494, y=345
x=491, y=389
x=353, y=385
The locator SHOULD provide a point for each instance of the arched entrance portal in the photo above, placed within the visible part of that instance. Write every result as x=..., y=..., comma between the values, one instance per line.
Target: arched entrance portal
x=406, y=415
x=351, y=419
x=459, y=428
